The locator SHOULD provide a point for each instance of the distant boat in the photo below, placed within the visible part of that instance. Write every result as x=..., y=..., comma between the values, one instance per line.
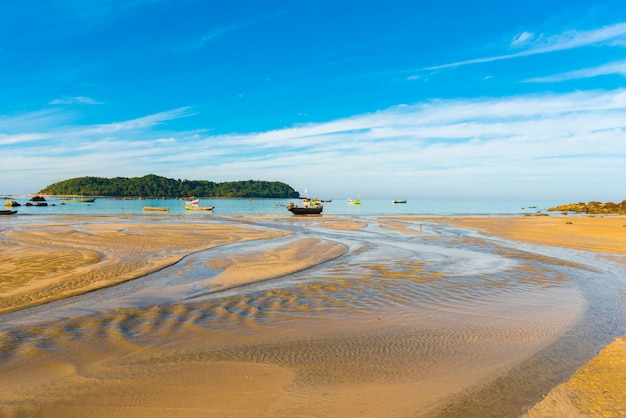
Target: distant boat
x=398, y=201
x=354, y=202
x=7, y=212
x=78, y=200
x=162, y=209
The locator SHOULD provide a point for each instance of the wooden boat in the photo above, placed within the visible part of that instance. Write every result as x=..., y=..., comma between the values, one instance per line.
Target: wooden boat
x=162, y=209
x=309, y=210
x=7, y=212
x=195, y=207
x=194, y=204
x=78, y=200
x=398, y=201
x=309, y=207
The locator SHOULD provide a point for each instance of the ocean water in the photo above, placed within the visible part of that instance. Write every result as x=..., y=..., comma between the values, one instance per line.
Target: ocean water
x=107, y=206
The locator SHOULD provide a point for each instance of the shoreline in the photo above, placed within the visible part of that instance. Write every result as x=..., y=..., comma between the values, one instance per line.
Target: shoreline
x=110, y=248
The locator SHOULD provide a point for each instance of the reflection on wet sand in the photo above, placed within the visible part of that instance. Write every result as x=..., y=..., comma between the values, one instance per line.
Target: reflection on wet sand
x=301, y=317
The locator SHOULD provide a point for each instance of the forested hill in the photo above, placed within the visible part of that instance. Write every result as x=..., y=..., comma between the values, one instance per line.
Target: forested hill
x=157, y=186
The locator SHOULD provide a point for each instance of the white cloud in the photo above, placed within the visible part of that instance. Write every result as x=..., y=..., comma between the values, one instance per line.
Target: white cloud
x=75, y=100
x=522, y=39
x=613, y=35
x=613, y=68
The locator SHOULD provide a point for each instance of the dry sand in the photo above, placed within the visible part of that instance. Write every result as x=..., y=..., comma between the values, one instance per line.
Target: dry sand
x=590, y=233
x=103, y=366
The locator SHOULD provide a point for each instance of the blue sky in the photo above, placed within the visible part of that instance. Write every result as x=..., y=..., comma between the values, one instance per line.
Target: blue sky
x=384, y=99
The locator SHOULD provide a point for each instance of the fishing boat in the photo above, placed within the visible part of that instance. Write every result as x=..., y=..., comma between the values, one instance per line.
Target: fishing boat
x=309, y=207
x=354, y=202
x=196, y=207
x=398, y=201
x=194, y=204
x=78, y=200
x=7, y=212
x=155, y=208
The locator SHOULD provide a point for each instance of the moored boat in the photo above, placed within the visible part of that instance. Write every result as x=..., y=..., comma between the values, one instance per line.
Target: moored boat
x=194, y=204
x=78, y=200
x=309, y=207
x=7, y=212
x=154, y=208
x=195, y=207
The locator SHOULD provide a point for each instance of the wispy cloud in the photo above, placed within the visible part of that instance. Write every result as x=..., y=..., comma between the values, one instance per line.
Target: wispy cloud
x=533, y=44
x=58, y=126
x=614, y=68
x=220, y=31
x=522, y=39
x=75, y=100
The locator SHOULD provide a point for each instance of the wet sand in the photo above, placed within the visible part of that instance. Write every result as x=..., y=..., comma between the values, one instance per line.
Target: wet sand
x=279, y=316
x=598, y=389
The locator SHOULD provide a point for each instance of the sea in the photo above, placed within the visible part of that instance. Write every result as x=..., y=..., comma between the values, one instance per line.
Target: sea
x=244, y=206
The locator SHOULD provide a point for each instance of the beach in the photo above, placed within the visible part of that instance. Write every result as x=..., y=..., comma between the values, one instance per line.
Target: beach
x=277, y=316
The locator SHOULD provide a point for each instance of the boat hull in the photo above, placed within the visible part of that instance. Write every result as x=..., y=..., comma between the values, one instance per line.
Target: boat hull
x=306, y=211
x=199, y=207
x=7, y=212
x=81, y=200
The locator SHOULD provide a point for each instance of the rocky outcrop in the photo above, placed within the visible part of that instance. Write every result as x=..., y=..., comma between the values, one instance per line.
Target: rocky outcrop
x=592, y=208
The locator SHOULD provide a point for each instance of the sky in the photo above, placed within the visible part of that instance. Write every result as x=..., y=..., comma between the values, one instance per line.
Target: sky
x=395, y=99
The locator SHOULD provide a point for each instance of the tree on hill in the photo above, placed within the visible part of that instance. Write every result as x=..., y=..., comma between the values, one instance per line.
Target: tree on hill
x=152, y=185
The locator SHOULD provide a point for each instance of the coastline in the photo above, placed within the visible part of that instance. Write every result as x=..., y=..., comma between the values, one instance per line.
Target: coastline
x=100, y=254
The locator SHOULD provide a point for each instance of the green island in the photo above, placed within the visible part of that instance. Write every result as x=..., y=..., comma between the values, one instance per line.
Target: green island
x=152, y=185
x=592, y=208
